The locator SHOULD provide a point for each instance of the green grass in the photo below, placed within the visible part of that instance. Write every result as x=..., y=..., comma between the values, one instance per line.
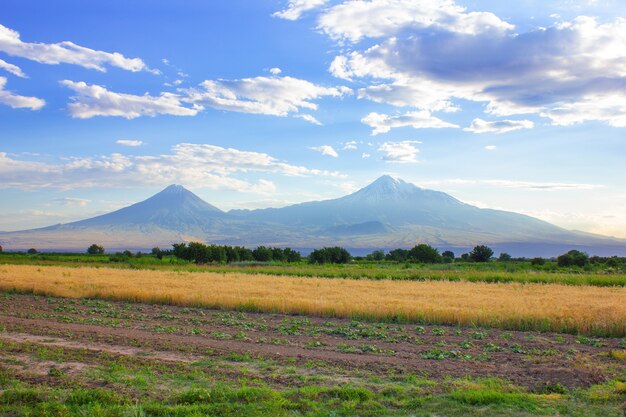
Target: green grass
x=493, y=272
x=311, y=400
x=241, y=385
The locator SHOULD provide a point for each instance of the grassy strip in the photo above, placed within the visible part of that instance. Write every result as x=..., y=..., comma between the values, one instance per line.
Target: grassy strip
x=493, y=272
x=141, y=387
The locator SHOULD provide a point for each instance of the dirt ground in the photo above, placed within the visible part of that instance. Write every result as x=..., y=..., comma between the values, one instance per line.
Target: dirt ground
x=182, y=334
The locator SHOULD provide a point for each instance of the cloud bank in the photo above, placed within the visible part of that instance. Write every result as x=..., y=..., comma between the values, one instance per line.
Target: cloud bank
x=65, y=53
x=198, y=164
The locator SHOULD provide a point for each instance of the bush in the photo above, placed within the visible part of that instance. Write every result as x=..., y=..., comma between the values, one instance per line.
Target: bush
x=31, y=251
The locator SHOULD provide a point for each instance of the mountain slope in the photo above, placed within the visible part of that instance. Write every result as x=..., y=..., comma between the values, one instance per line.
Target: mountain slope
x=398, y=203
x=174, y=208
x=387, y=214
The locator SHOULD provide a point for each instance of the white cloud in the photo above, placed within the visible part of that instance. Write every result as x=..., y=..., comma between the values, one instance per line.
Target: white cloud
x=65, y=53
x=403, y=152
x=71, y=201
x=383, y=123
x=502, y=126
x=326, y=150
x=16, y=101
x=365, y=155
x=275, y=71
x=308, y=118
x=350, y=146
x=353, y=20
x=13, y=69
x=129, y=142
x=425, y=94
x=515, y=184
x=296, y=8
x=203, y=165
x=490, y=147
x=94, y=100
x=276, y=96
x=570, y=73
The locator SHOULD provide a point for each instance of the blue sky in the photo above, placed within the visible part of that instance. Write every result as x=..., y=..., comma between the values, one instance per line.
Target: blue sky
x=266, y=103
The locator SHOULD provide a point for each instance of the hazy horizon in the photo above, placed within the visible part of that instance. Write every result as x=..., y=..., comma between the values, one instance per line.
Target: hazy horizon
x=266, y=104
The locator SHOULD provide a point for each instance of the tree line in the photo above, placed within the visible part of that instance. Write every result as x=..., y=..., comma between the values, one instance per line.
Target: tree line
x=201, y=253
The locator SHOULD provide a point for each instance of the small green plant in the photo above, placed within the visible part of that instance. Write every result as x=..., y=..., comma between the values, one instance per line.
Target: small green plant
x=517, y=348
x=466, y=344
x=584, y=340
x=345, y=348
x=490, y=347
x=438, y=331
x=439, y=354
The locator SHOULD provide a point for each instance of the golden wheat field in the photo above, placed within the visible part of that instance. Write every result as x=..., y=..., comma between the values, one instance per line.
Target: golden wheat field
x=584, y=309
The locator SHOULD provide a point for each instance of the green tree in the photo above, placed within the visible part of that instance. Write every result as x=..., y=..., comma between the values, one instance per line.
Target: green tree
x=504, y=257
x=292, y=255
x=334, y=255
x=398, y=255
x=448, y=256
x=31, y=251
x=95, y=249
x=262, y=254
x=377, y=255
x=157, y=253
x=481, y=253
x=537, y=261
x=425, y=254
x=573, y=258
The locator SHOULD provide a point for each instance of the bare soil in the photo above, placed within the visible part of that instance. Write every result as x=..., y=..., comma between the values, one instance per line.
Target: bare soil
x=181, y=334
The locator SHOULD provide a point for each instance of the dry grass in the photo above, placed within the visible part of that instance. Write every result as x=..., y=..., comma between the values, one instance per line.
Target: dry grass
x=584, y=309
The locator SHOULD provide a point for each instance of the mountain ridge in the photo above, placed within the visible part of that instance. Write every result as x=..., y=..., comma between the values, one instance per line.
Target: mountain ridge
x=388, y=213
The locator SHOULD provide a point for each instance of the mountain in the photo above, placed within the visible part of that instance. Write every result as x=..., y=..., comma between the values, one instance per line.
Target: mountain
x=389, y=213
x=174, y=208
x=395, y=202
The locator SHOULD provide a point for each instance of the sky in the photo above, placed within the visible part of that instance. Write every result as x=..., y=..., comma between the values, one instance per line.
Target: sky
x=254, y=104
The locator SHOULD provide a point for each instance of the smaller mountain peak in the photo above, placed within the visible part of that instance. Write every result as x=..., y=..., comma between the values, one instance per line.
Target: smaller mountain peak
x=174, y=187
x=387, y=179
x=173, y=190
